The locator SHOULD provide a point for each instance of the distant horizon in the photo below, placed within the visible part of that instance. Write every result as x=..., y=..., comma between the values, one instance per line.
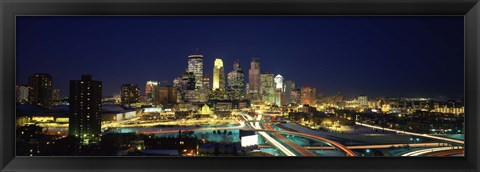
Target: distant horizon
x=395, y=56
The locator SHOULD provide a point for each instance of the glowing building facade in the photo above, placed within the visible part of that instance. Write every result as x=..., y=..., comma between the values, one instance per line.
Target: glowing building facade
x=218, y=75
x=279, y=83
x=195, y=65
x=279, y=97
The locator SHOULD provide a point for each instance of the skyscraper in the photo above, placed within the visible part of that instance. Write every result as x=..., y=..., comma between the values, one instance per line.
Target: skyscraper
x=279, y=82
x=289, y=86
x=308, y=95
x=188, y=92
x=40, y=85
x=85, y=109
x=151, y=90
x=279, y=90
x=166, y=95
x=267, y=88
x=205, y=90
x=218, y=75
x=188, y=81
x=195, y=65
x=235, y=81
x=254, y=79
x=130, y=94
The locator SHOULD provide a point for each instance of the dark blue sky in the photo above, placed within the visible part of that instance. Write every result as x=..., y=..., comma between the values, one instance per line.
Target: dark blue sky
x=385, y=55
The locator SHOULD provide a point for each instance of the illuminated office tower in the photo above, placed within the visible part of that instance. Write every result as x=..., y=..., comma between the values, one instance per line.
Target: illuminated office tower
x=195, y=65
x=279, y=83
x=40, y=85
x=279, y=90
x=254, y=79
x=362, y=101
x=267, y=88
x=85, y=109
x=130, y=94
x=151, y=90
x=218, y=75
x=308, y=96
x=22, y=93
x=289, y=86
x=235, y=81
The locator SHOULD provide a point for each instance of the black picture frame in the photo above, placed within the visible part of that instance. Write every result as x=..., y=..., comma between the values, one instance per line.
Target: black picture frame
x=11, y=8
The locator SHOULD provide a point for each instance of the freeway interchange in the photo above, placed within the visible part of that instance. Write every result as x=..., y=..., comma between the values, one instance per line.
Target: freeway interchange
x=276, y=138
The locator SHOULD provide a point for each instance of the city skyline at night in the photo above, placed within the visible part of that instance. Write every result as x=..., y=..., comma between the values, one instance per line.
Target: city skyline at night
x=327, y=86
x=378, y=56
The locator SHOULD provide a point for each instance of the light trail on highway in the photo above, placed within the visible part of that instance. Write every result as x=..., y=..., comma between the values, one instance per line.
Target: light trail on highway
x=447, y=153
x=383, y=146
x=290, y=143
x=425, y=151
x=271, y=140
x=256, y=127
x=411, y=133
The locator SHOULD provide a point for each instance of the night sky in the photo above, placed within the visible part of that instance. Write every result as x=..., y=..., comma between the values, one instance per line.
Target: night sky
x=376, y=56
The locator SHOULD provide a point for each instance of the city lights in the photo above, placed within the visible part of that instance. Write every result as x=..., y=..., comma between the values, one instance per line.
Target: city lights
x=308, y=96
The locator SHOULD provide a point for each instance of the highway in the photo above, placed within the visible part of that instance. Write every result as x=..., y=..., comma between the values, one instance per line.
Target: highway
x=295, y=146
x=290, y=143
x=263, y=132
x=428, y=151
x=411, y=133
x=447, y=153
x=290, y=148
x=383, y=146
x=269, y=139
